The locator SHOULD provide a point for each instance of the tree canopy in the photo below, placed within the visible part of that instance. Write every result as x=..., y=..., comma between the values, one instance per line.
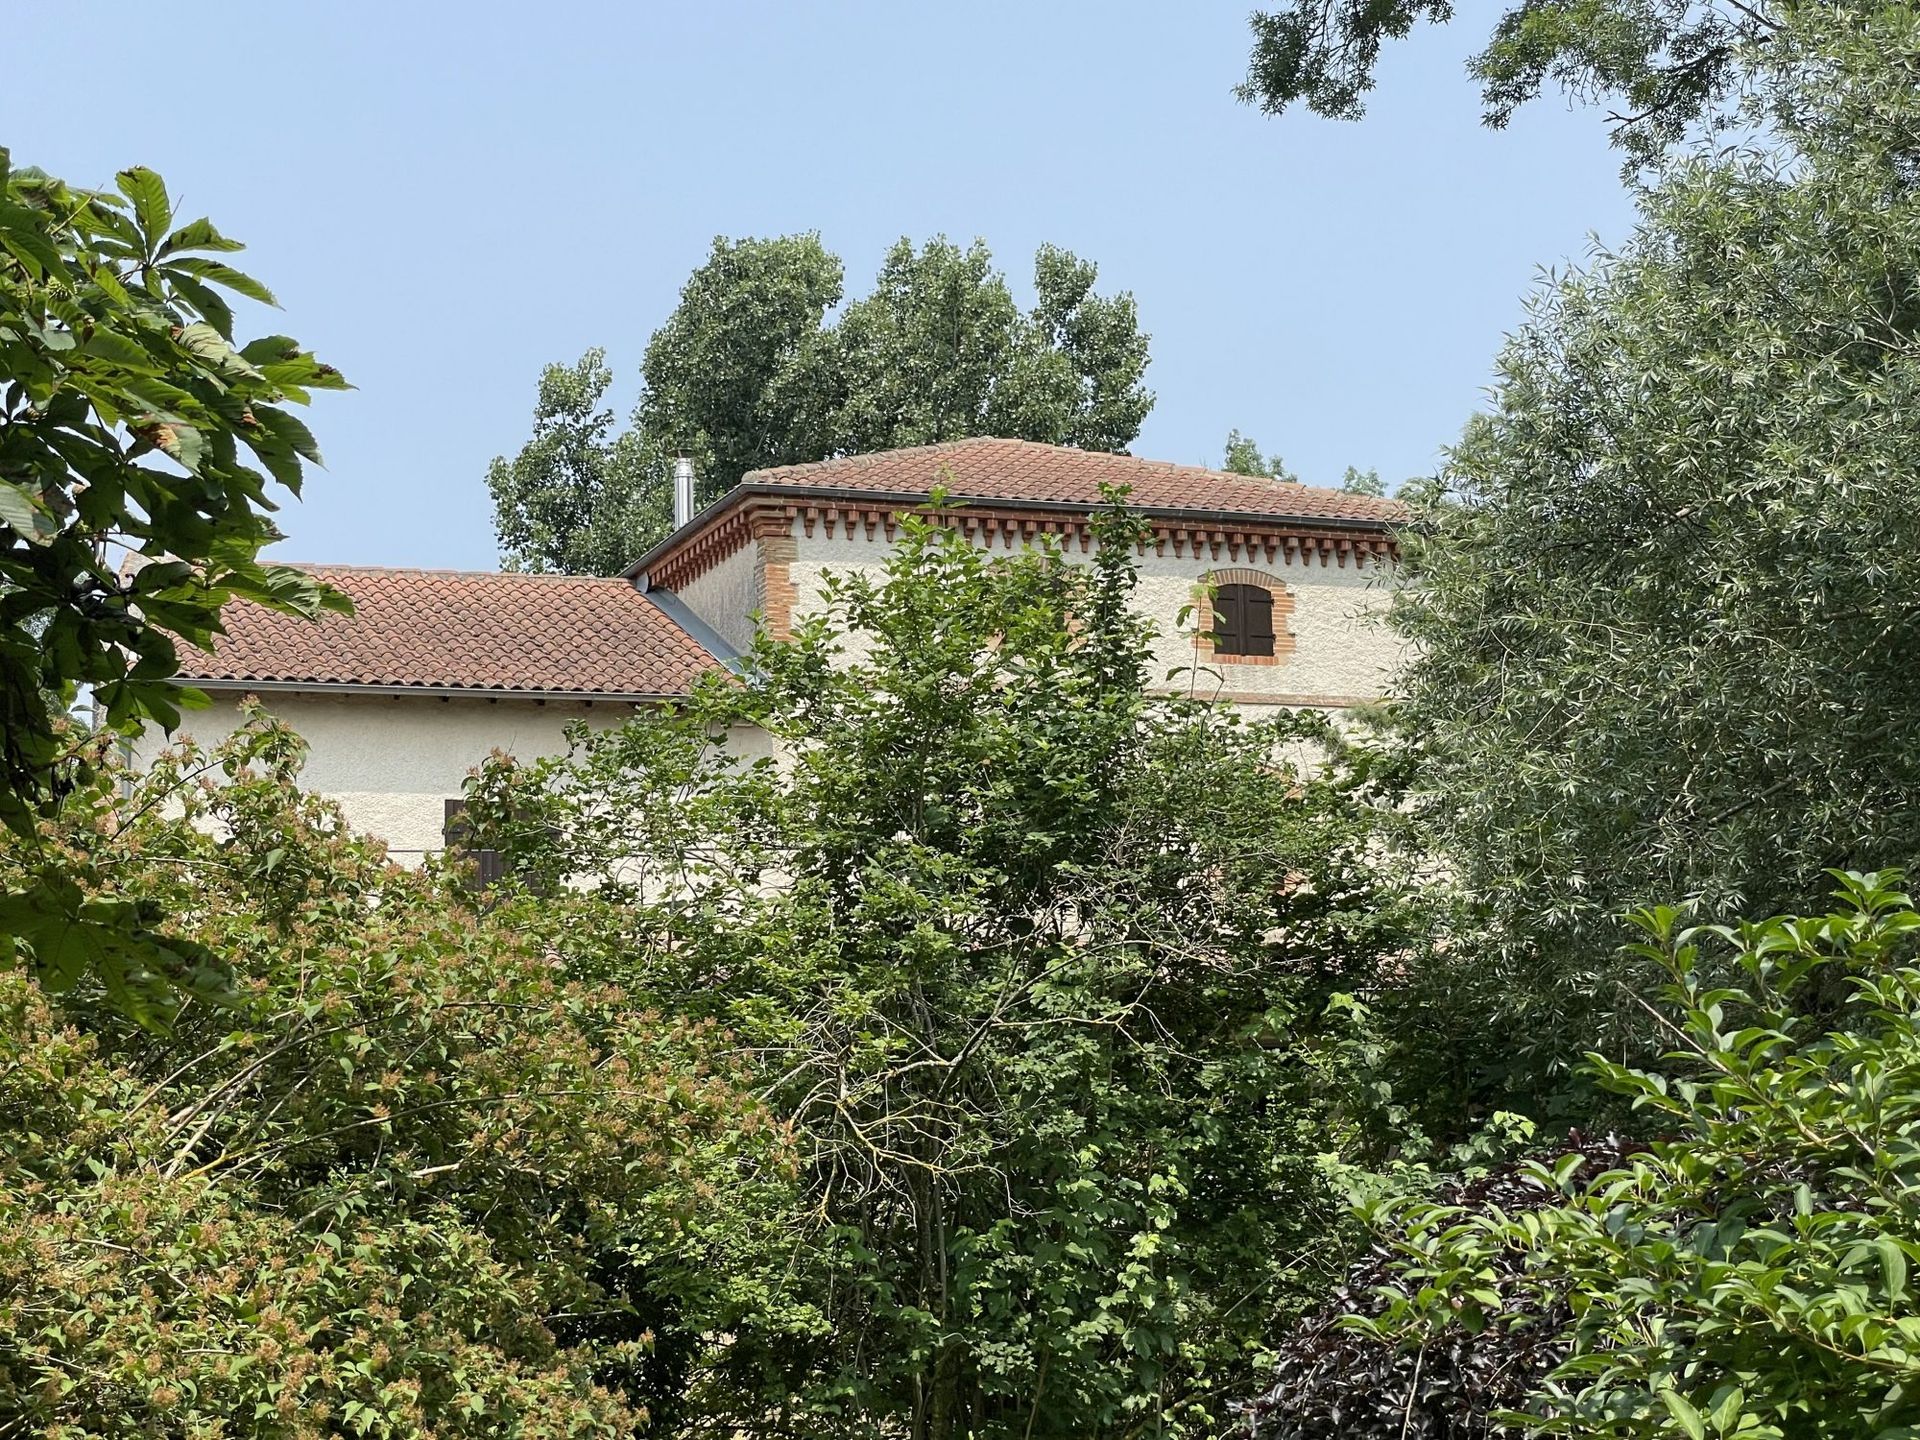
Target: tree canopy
x=756, y=367
x=1659, y=68
x=1243, y=457
x=1658, y=631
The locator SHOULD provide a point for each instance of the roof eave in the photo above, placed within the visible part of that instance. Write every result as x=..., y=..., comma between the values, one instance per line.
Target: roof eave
x=443, y=692
x=749, y=489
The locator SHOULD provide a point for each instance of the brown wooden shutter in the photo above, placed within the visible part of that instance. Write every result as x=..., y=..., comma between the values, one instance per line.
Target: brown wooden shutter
x=1243, y=620
x=1229, y=620
x=1257, y=608
x=488, y=867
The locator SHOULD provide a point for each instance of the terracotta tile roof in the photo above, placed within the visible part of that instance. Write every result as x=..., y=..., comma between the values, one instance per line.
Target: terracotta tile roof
x=988, y=469
x=443, y=629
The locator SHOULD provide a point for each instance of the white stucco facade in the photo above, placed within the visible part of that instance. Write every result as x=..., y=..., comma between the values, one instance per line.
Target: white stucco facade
x=729, y=596
x=393, y=761
x=1341, y=655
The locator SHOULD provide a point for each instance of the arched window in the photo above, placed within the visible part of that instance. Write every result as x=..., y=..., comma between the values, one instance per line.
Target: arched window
x=1242, y=620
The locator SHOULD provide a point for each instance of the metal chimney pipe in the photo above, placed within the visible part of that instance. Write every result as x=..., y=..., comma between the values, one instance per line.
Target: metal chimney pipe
x=682, y=491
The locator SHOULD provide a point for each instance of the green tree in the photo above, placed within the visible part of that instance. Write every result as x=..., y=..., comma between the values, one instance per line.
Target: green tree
x=1363, y=482
x=129, y=425
x=1658, y=630
x=749, y=371
x=1243, y=457
x=1035, y=965
x=1747, y=1272
x=575, y=486
x=1659, y=67
x=940, y=351
x=738, y=376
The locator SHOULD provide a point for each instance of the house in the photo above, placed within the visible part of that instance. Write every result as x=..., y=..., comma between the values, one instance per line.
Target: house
x=436, y=668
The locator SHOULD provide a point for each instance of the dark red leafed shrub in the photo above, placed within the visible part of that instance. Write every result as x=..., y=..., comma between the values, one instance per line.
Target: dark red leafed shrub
x=1333, y=1382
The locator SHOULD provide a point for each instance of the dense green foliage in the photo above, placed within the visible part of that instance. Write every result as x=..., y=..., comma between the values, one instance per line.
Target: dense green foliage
x=123, y=419
x=417, y=1175
x=1662, y=67
x=1659, y=625
x=1034, y=964
x=1747, y=1273
x=579, y=497
x=928, y=1032
x=129, y=424
x=1659, y=630
x=756, y=368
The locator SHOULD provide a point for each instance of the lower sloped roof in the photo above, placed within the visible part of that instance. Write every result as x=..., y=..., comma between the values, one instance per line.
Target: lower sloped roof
x=446, y=630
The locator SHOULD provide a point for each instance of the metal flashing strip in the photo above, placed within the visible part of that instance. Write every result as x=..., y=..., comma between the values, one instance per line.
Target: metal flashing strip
x=681, y=614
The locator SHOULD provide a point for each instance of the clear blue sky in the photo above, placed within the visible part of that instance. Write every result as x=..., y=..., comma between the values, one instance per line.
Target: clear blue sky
x=447, y=196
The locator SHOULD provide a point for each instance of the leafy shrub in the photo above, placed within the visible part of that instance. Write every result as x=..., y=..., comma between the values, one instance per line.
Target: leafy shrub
x=397, y=1172
x=1747, y=1273
x=1334, y=1380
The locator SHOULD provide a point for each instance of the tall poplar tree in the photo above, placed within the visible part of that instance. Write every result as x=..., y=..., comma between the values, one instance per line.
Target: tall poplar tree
x=755, y=368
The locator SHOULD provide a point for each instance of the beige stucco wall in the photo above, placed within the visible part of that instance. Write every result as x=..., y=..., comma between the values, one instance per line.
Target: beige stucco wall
x=393, y=761
x=728, y=596
x=1341, y=652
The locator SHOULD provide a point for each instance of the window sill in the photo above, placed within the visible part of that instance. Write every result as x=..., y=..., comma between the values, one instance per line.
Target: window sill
x=1217, y=659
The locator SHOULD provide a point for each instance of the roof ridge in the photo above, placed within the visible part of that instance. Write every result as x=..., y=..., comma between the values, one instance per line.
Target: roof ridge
x=867, y=455
x=770, y=473
x=448, y=573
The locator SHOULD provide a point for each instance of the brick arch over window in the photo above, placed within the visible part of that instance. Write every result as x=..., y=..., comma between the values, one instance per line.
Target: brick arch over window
x=1283, y=638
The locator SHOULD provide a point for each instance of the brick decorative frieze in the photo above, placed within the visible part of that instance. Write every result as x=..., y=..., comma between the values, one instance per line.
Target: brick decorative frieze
x=758, y=519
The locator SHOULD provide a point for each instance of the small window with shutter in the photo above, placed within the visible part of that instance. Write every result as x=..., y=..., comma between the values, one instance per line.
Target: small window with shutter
x=488, y=868
x=1242, y=620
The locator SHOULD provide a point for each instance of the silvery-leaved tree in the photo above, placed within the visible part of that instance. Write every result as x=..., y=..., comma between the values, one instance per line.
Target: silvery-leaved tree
x=131, y=424
x=1665, y=609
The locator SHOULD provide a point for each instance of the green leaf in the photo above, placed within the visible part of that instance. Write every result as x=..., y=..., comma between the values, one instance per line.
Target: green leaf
x=185, y=444
x=1726, y=1410
x=198, y=235
x=1682, y=1410
x=23, y=234
x=207, y=301
x=291, y=429
x=214, y=272
x=270, y=350
x=18, y=510
x=149, y=196
x=1893, y=1263
x=113, y=346
x=209, y=344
